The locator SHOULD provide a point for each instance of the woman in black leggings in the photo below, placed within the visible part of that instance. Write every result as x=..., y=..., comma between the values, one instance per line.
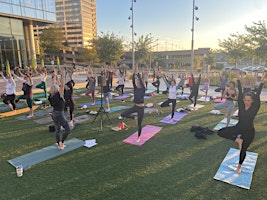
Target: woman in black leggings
x=194, y=89
x=243, y=133
x=139, y=93
x=69, y=102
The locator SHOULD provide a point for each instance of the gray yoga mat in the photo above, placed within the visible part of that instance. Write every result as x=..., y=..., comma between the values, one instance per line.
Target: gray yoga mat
x=44, y=154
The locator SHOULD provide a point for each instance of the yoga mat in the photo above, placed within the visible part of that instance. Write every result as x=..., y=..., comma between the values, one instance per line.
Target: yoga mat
x=38, y=95
x=146, y=111
x=226, y=172
x=124, y=96
x=44, y=154
x=198, y=106
x=183, y=97
x=78, y=90
x=82, y=118
x=36, y=114
x=147, y=97
x=235, y=114
x=177, y=117
x=149, y=91
x=19, y=111
x=90, y=103
x=18, y=105
x=204, y=98
x=118, y=108
x=148, y=132
x=222, y=124
x=43, y=120
x=219, y=100
x=127, y=89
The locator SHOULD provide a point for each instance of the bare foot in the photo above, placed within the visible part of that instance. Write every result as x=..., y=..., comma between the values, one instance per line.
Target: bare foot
x=62, y=146
x=171, y=120
x=239, y=141
x=238, y=170
x=138, y=139
x=59, y=145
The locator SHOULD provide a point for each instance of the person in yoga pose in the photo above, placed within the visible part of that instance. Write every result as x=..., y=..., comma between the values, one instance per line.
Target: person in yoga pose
x=194, y=89
x=157, y=82
x=121, y=79
x=231, y=95
x=10, y=95
x=106, y=87
x=69, y=101
x=139, y=93
x=223, y=82
x=43, y=84
x=27, y=90
x=57, y=101
x=243, y=132
x=172, y=90
x=91, y=81
x=206, y=85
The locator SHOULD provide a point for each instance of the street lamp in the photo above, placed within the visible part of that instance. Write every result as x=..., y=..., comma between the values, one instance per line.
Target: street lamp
x=133, y=33
x=193, y=27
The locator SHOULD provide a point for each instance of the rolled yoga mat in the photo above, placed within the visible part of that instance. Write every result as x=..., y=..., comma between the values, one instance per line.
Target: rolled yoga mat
x=148, y=132
x=44, y=154
x=226, y=172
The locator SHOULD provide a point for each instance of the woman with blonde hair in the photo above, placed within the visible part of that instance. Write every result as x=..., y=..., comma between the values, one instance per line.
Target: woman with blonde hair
x=57, y=101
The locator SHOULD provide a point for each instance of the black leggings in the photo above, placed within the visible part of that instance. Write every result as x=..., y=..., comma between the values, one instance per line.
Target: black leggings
x=118, y=87
x=167, y=102
x=195, y=98
x=60, y=120
x=231, y=134
x=70, y=104
x=156, y=84
x=220, y=90
x=10, y=99
x=140, y=114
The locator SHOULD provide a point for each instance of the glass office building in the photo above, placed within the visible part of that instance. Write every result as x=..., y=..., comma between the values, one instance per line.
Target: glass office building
x=17, y=18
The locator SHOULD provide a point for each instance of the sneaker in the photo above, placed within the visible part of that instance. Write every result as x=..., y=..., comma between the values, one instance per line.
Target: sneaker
x=29, y=116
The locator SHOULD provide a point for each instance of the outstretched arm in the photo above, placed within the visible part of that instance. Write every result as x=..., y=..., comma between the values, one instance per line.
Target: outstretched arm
x=62, y=81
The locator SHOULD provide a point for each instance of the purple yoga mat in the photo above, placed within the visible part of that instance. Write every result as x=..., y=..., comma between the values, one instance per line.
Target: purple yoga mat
x=148, y=132
x=177, y=117
x=124, y=96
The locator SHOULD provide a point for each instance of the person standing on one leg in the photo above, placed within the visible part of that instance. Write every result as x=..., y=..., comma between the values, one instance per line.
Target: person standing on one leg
x=139, y=93
x=91, y=81
x=172, y=90
x=231, y=95
x=121, y=79
x=194, y=89
x=43, y=84
x=69, y=101
x=9, y=98
x=56, y=100
x=243, y=133
x=223, y=82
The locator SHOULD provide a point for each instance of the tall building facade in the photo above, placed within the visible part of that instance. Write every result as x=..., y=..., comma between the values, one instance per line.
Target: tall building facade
x=78, y=19
x=17, y=19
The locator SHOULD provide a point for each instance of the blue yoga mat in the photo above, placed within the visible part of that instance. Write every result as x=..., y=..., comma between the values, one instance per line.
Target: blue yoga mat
x=90, y=103
x=18, y=105
x=78, y=90
x=149, y=91
x=222, y=124
x=227, y=174
x=44, y=154
x=38, y=95
x=118, y=108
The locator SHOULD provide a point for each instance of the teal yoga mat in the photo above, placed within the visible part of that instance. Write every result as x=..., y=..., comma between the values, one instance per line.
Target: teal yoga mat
x=44, y=154
x=118, y=108
x=222, y=124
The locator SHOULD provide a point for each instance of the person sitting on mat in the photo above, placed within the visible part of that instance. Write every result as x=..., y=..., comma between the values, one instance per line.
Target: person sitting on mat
x=194, y=89
x=223, y=82
x=139, y=93
x=172, y=90
x=26, y=88
x=10, y=95
x=43, y=84
x=243, y=132
x=231, y=95
x=57, y=101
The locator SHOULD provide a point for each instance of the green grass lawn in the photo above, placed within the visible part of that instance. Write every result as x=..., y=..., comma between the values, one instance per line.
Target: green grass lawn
x=171, y=165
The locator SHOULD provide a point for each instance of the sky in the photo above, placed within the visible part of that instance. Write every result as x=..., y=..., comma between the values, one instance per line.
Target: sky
x=169, y=22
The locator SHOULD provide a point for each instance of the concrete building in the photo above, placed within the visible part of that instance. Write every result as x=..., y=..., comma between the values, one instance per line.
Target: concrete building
x=17, y=19
x=77, y=18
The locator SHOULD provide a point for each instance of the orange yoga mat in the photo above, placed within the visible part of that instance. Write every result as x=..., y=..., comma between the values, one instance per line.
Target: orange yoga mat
x=19, y=111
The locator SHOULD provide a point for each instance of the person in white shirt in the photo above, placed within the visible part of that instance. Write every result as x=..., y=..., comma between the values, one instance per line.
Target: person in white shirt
x=121, y=80
x=172, y=90
x=9, y=97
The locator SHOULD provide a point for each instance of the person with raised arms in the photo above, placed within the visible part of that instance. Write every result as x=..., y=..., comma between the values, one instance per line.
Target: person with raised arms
x=10, y=95
x=243, y=132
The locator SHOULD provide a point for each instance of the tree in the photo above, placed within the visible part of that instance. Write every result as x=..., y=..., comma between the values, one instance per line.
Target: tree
x=51, y=41
x=210, y=59
x=7, y=67
x=234, y=47
x=109, y=48
x=142, y=48
x=88, y=55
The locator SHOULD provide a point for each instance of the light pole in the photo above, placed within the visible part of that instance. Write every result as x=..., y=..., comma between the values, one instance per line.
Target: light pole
x=133, y=33
x=193, y=27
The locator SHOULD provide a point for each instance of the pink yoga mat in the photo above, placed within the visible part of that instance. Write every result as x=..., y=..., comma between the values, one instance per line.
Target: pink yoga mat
x=148, y=132
x=218, y=100
x=177, y=117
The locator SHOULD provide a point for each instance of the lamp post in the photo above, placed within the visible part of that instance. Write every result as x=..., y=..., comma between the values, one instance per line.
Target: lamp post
x=193, y=27
x=133, y=33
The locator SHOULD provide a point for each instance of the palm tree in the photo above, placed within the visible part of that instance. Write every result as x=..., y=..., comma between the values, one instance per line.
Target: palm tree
x=143, y=48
